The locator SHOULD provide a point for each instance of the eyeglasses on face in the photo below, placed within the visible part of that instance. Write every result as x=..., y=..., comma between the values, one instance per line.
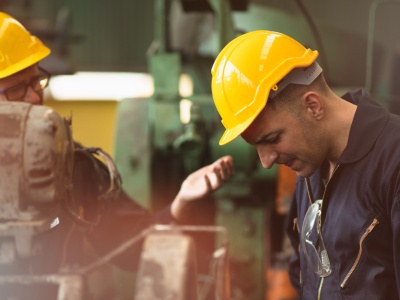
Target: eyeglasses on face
x=37, y=83
x=312, y=242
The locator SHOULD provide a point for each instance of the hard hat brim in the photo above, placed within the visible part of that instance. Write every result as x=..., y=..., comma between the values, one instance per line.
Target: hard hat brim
x=231, y=134
x=30, y=60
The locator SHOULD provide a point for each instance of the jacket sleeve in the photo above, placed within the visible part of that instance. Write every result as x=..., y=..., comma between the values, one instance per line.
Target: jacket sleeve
x=292, y=230
x=123, y=220
x=115, y=221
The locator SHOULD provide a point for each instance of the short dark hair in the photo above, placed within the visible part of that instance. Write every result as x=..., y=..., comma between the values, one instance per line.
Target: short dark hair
x=293, y=92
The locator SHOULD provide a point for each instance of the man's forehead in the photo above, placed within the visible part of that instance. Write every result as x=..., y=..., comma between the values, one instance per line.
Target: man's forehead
x=27, y=71
x=257, y=136
x=255, y=131
x=268, y=123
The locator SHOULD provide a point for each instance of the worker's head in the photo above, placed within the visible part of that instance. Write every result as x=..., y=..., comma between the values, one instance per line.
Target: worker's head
x=264, y=84
x=21, y=79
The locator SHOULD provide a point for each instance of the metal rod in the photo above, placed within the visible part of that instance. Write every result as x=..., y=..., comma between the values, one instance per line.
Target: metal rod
x=370, y=39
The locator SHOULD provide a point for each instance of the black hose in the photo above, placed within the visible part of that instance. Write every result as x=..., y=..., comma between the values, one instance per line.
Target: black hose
x=317, y=36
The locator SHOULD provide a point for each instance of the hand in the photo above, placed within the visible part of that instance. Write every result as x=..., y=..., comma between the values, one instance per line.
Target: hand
x=200, y=184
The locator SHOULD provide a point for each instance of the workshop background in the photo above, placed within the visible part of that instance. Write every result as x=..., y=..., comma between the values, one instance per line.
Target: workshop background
x=135, y=78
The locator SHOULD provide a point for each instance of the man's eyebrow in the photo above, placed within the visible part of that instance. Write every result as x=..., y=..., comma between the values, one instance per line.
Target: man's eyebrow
x=268, y=136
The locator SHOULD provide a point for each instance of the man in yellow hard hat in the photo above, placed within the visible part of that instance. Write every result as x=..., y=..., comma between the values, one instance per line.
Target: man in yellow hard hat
x=23, y=80
x=345, y=218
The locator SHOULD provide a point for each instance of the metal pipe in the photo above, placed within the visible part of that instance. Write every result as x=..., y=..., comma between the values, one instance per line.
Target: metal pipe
x=370, y=39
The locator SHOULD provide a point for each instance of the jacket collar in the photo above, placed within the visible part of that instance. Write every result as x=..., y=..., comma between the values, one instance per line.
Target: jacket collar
x=369, y=120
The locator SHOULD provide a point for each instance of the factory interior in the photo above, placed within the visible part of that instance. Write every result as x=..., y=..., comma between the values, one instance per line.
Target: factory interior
x=133, y=77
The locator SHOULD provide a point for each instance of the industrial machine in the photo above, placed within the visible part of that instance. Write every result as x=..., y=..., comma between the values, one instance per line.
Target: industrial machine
x=36, y=156
x=36, y=165
x=161, y=139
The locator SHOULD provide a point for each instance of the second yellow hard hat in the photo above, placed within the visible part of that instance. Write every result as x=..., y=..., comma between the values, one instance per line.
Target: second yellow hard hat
x=19, y=49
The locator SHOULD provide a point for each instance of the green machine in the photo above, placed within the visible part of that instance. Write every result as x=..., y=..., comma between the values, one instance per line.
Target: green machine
x=157, y=150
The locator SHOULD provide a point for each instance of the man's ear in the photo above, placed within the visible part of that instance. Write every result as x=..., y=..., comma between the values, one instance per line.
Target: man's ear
x=314, y=105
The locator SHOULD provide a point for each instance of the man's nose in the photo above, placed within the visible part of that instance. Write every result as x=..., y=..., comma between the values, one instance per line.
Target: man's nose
x=33, y=97
x=267, y=157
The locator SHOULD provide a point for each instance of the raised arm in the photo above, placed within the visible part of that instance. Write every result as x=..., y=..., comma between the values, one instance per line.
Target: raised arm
x=200, y=184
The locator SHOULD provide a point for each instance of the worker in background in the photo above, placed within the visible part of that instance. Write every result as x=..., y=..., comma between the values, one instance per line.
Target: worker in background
x=345, y=217
x=21, y=79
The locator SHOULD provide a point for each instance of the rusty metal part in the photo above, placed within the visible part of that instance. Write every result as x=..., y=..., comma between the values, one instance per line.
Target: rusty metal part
x=74, y=206
x=65, y=287
x=115, y=178
x=167, y=269
x=36, y=157
x=217, y=280
x=173, y=237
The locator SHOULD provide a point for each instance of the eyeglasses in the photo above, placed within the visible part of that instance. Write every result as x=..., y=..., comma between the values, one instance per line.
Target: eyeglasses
x=312, y=242
x=18, y=92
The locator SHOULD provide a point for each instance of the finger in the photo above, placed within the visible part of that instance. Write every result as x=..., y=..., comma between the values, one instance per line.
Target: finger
x=221, y=171
x=208, y=183
x=220, y=177
x=224, y=171
x=226, y=168
x=228, y=160
x=213, y=180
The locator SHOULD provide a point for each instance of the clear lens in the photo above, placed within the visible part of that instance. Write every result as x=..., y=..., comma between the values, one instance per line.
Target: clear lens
x=16, y=92
x=40, y=83
x=312, y=242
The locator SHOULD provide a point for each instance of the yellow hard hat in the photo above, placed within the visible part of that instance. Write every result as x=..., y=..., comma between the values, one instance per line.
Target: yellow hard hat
x=19, y=49
x=245, y=72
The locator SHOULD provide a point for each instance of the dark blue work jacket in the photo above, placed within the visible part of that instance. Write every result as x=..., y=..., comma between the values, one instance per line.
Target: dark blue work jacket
x=360, y=212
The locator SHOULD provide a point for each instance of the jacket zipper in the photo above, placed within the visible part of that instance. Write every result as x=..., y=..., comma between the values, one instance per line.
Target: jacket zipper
x=296, y=226
x=320, y=287
x=367, y=231
x=320, y=226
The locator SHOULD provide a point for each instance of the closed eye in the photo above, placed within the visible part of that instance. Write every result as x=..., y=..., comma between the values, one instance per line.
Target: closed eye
x=274, y=140
x=269, y=140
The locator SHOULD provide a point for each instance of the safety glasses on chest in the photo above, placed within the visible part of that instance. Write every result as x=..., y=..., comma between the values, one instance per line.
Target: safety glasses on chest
x=37, y=83
x=311, y=238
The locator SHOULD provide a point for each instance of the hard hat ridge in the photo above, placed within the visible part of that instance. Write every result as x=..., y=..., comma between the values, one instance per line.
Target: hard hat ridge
x=302, y=76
